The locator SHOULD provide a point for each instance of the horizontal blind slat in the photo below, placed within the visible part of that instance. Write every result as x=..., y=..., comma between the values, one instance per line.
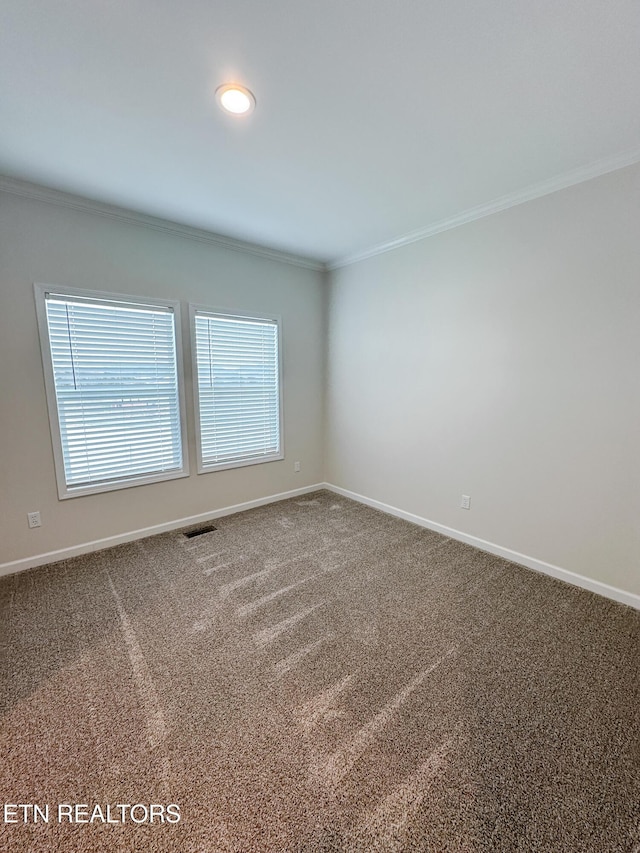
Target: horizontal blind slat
x=238, y=388
x=116, y=382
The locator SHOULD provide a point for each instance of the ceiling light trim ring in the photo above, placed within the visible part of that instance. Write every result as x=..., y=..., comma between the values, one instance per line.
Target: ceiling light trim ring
x=235, y=99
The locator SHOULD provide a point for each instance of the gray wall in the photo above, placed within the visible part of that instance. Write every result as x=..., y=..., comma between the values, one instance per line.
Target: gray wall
x=56, y=245
x=501, y=360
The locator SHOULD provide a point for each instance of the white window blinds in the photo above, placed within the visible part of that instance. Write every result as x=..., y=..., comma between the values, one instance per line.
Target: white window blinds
x=116, y=388
x=238, y=383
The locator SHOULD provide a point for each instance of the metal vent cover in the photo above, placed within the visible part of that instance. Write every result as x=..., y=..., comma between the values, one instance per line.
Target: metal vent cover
x=198, y=531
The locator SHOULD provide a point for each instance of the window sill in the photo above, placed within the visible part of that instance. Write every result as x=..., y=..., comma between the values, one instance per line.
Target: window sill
x=206, y=469
x=66, y=492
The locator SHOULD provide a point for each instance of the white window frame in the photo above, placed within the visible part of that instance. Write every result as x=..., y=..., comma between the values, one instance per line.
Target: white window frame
x=240, y=315
x=65, y=491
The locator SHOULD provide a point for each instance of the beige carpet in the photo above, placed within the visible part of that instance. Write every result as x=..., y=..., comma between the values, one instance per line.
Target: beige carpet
x=317, y=676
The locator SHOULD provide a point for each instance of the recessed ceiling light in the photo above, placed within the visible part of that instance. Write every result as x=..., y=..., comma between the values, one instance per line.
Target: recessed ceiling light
x=235, y=99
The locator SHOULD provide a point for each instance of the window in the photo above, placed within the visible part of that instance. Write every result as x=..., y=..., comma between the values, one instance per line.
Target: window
x=112, y=365
x=238, y=399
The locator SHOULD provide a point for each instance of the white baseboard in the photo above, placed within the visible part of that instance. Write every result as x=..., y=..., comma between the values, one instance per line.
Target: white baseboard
x=598, y=587
x=592, y=585
x=121, y=538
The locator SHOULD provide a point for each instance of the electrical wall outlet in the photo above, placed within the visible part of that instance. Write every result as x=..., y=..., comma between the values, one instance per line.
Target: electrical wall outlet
x=465, y=502
x=296, y=467
x=34, y=519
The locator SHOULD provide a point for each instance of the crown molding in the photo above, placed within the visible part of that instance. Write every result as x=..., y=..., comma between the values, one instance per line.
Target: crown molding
x=30, y=190
x=552, y=185
x=48, y=195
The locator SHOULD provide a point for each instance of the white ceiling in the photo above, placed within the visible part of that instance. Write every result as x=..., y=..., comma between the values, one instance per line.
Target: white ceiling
x=374, y=118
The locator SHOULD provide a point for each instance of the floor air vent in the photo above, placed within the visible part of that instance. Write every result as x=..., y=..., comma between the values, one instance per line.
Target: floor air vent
x=209, y=528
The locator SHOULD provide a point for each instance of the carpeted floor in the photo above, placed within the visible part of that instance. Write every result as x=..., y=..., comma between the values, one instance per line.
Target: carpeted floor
x=317, y=676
